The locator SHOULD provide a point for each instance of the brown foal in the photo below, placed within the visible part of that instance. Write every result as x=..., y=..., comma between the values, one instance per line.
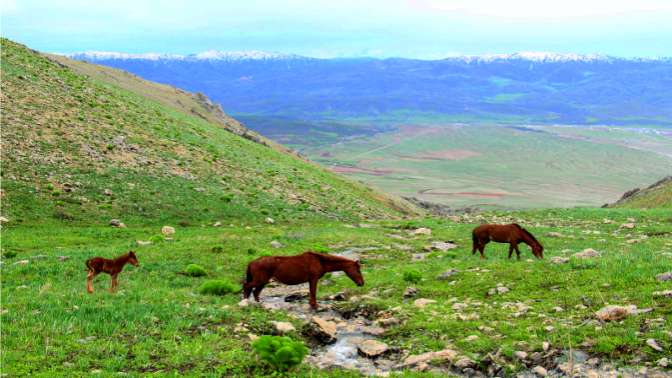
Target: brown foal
x=112, y=267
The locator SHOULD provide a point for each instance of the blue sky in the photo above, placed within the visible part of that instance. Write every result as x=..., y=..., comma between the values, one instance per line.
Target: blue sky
x=427, y=29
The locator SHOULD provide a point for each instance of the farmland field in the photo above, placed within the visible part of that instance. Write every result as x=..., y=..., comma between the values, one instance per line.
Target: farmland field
x=504, y=166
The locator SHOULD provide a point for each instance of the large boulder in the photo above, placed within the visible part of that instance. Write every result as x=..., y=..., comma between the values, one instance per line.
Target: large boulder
x=372, y=348
x=322, y=330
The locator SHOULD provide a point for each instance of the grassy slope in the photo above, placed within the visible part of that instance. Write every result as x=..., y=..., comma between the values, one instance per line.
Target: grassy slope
x=158, y=323
x=68, y=137
x=658, y=195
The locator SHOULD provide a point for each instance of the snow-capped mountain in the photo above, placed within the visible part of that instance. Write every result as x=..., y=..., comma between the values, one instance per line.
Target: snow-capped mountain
x=205, y=55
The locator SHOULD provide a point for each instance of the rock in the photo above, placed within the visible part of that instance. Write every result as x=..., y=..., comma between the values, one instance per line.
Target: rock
x=422, y=302
x=115, y=223
x=322, y=330
x=410, y=292
x=424, y=358
x=276, y=244
x=387, y=322
x=554, y=234
x=447, y=274
x=443, y=246
x=498, y=290
x=628, y=225
x=664, y=276
x=631, y=220
x=200, y=190
x=3, y=220
x=216, y=224
x=283, y=327
x=22, y=262
x=664, y=293
x=340, y=296
x=663, y=362
x=143, y=242
x=63, y=258
x=471, y=338
x=540, y=371
x=244, y=303
x=459, y=306
x=558, y=309
x=654, y=345
x=545, y=346
x=549, y=328
x=372, y=348
x=418, y=256
x=559, y=260
x=421, y=231
x=615, y=313
x=107, y=192
x=167, y=230
x=296, y=296
x=520, y=354
x=270, y=220
x=464, y=363
x=587, y=253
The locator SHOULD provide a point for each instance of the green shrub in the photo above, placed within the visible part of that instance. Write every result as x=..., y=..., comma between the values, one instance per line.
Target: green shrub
x=280, y=351
x=157, y=239
x=195, y=270
x=412, y=276
x=217, y=249
x=217, y=287
x=9, y=254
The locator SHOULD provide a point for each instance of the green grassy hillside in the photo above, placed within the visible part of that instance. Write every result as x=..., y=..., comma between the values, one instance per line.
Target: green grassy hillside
x=658, y=195
x=91, y=148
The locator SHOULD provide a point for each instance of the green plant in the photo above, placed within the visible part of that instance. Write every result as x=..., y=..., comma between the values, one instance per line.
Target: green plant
x=157, y=238
x=217, y=249
x=217, y=287
x=194, y=270
x=412, y=276
x=9, y=254
x=280, y=351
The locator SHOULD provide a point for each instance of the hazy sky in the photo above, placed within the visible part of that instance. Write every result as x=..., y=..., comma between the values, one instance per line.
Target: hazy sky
x=380, y=28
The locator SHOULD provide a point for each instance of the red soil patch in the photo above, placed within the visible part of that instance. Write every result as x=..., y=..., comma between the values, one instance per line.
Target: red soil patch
x=443, y=155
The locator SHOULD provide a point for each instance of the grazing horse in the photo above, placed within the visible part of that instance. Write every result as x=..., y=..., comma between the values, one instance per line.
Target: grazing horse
x=505, y=233
x=293, y=270
x=112, y=267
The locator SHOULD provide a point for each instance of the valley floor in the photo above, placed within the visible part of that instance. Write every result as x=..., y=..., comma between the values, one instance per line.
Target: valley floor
x=158, y=324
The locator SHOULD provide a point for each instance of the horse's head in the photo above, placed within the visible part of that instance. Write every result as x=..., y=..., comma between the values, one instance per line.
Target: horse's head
x=133, y=259
x=353, y=270
x=538, y=250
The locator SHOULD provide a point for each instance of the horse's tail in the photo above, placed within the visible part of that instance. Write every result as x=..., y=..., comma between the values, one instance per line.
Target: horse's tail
x=248, y=274
x=474, y=240
x=88, y=265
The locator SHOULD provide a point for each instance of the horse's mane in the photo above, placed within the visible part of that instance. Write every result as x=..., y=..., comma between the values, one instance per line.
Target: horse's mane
x=527, y=233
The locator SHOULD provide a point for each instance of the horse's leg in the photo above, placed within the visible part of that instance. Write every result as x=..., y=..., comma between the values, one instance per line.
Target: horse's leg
x=313, y=293
x=89, y=281
x=247, y=289
x=114, y=283
x=515, y=246
x=257, y=291
x=474, y=246
x=481, y=248
x=510, y=250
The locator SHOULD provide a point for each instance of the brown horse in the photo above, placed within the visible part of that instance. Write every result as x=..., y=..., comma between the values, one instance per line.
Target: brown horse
x=112, y=267
x=505, y=233
x=293, y=270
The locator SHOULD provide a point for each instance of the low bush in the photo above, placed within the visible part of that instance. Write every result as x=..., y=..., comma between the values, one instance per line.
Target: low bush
x=412, y=276
x=281, y=352
x=218, y=287
x=194, y=270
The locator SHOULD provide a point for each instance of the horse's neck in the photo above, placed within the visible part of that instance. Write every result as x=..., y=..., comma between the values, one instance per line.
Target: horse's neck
x=527, y=239
x=333, y=265
x=122, y=260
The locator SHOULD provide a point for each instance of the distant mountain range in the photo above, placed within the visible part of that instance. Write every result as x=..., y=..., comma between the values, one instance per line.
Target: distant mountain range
x=532, y=87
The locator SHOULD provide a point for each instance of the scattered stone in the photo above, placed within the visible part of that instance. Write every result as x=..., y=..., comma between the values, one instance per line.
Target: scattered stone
x=107, y=192
x=447, y=274
x=442, y=246
x=63, y=258
x=244, y=303
x=664, y=276
x=22, y=262
x=545, y=346
x=276, y=244
x=587, y=254
x=283, y=327
x=663, y=362
x=143, y=242
x=664, y=293
x=270, y=220
x=559, y=260
x=418, y=256
x=322, y=330
x=167, y=230
x=459, y=306
x=628, y=225
x=615, y=312
x=372, y=348
x=252, y=336
x=464, y=363
x=654, y=345
x=498, y=290
x=116, y=223
x=424, y=358
x=200, y=190
x=3, y=220
x=340, y=296
x=216, y=224
x=410, y=292
x=387, y=322
x=421, y=231
x=549, y=328
x=296, y=296
x=554, y=234
x=519, y=354
x=540, y=371
x=422, y=302
x=471, y=338
x=558, y=309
